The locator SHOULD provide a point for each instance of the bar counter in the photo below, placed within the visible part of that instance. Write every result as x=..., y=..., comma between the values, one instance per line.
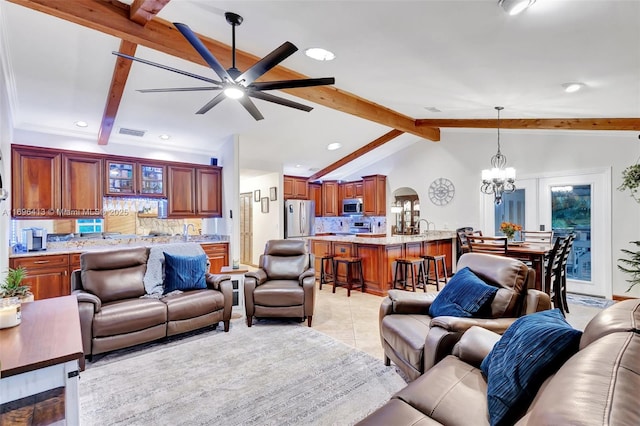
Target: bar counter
x=378, y=254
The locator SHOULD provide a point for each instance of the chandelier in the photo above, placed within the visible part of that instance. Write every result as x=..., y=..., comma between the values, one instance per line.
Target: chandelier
x=499, y=179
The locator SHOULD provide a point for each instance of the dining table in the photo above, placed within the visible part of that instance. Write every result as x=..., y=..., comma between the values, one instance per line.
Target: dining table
x=535, y=253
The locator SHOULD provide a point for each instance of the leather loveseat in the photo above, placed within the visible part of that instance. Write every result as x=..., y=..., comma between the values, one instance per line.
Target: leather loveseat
x=415, y=341
x=596, y=386
x=116, y=312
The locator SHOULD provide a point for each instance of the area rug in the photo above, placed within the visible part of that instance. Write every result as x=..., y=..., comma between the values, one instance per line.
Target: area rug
x=596, y=302
x=270, y=374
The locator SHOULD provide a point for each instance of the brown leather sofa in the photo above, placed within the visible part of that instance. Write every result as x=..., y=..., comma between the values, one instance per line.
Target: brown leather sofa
x=284, y=284
x=415, y=341
x=114, y=314
x=596, y=386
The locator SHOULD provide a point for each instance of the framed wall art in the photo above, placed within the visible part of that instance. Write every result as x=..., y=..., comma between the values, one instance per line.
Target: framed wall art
x=264, y=205
x=273, y=193
x=256, y=195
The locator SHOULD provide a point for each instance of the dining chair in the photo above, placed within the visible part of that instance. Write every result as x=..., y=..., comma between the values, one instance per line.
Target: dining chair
x=489, y=245
x=560, y=289
x=461, y=237
x=551, y=268
x=537, y=236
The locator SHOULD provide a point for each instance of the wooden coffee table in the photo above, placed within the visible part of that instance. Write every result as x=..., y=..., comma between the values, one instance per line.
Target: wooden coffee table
x=43, y=352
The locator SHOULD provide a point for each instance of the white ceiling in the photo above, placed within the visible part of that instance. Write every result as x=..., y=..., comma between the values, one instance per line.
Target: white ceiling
x=462, y=57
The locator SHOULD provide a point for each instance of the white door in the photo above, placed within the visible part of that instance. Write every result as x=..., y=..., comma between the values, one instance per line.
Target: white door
x=581, y=203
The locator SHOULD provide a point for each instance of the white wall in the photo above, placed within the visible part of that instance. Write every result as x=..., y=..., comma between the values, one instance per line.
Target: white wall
x=266, y=226
x=462, y=154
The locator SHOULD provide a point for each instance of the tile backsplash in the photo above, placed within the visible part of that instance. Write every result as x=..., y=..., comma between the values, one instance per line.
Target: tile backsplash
x=342, y=223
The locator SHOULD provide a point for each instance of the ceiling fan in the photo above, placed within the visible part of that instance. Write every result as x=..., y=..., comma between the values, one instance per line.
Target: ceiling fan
x=235, y=84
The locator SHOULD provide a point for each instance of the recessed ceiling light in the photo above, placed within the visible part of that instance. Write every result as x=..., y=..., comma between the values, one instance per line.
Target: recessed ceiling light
x=164, y=137
x=333, y=146
x=432, y=109
x=298, y=165
x=513, y=7
x=81, y=123
x=572, y=87
x=319, y=54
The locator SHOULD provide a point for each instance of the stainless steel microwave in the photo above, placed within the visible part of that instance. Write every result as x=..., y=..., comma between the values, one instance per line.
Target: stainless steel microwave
x=351, y=206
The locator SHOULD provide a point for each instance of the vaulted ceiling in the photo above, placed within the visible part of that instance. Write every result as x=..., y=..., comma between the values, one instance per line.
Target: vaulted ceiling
x=405, y=72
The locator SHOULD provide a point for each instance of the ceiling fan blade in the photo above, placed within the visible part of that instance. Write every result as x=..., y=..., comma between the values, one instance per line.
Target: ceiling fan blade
x=292, y=84
x=178, y=89
x=213, y=102
x=165, y=67
x=280, y=101
x=197, y=44
x=251, y=107
x=265, y=64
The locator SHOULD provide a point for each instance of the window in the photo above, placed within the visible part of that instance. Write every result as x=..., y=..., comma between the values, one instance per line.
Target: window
x=89, y=225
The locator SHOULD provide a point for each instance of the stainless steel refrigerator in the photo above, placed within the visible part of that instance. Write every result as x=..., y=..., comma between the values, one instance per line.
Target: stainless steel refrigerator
x=299, y=218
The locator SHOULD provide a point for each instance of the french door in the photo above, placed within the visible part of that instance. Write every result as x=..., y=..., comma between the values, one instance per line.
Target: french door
x=579, y=202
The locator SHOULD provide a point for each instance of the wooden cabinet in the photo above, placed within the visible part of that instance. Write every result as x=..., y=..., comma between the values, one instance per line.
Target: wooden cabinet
x=351, y=190
x=181, y=191
x=47, y=275
x=209, y=191
x=35, y=183
x=82, y=184
x=123, y=178
x=295, y=187
x=374, y=196
x=218, y=255
x=358, y=189
x=194, y=192
x=315, y=194
x=49, y=184
x=330, y=203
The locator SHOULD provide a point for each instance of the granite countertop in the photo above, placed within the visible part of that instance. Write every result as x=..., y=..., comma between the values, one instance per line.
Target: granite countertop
x=395, y=239
x=99, y=244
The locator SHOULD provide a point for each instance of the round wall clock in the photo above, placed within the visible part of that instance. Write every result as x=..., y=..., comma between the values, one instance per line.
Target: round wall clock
x=441, y=191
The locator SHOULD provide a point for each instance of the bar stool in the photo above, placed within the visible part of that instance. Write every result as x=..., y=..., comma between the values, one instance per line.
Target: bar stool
x=326, y=261
x=429, y=260
x=350, y=263
x=401, y=273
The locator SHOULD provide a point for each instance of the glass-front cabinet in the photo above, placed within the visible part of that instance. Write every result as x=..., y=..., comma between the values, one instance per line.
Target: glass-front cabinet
x=152, y=180
x=133, y=178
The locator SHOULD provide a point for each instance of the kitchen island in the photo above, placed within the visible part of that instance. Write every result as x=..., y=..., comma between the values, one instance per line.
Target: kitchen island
x=378, y=254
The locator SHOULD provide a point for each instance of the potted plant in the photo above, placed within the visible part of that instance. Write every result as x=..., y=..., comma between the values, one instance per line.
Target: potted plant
x=631, y=181
x=631, y=266
x=12, y=285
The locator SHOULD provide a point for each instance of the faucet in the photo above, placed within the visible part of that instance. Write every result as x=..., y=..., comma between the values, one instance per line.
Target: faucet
x=428, y=225
x=185, y=230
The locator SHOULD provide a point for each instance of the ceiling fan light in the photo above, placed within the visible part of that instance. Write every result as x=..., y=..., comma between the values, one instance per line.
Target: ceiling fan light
x=319, y=54
x=233, y=92
x=514, y=7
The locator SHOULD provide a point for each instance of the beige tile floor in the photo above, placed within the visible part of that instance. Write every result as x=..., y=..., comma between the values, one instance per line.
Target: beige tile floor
x=354, y=320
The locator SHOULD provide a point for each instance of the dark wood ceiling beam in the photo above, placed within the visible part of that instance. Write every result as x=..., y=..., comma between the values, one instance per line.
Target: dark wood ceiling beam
x=538, y=123
x=142, y=11
x=158, y=34
x=357, y=153
x=118, y=82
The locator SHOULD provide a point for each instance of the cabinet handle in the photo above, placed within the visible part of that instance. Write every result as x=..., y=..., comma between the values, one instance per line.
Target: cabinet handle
x=66, y=273
x=41, y=261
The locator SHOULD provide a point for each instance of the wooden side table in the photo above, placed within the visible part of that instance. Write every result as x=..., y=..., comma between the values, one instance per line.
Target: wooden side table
x=43, y=352
x=237, y=281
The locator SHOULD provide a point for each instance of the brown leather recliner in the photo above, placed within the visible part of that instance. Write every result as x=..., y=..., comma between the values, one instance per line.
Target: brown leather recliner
x=594, y=387
x=415, y=341
x=113, y=315
x=284, y=284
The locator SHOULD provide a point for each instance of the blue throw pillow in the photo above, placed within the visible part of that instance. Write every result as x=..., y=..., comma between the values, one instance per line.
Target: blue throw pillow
x=184, y=272
x=530, y=350
x=465, y=295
